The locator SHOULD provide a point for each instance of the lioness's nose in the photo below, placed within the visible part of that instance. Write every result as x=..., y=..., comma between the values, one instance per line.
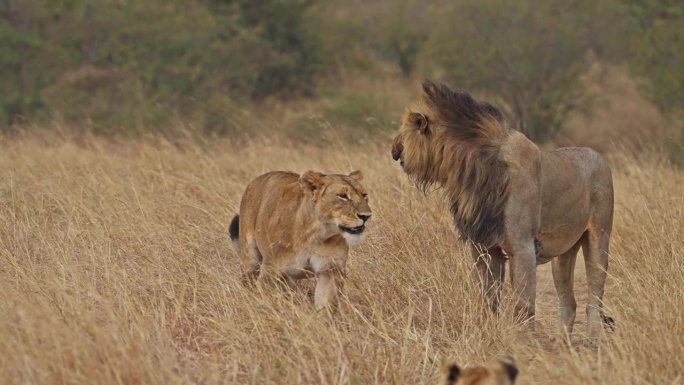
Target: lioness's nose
x=364, y=217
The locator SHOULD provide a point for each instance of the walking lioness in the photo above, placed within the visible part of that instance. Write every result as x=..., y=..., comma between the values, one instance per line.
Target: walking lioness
x=293, y=227
x=511, y=200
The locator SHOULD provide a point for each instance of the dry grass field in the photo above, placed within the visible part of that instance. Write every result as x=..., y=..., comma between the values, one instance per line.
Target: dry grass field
x=116, y=268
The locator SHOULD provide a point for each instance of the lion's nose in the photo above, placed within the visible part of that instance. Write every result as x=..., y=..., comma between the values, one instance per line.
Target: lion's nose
x=396, y=152
x=364, y=217
x=397, y=147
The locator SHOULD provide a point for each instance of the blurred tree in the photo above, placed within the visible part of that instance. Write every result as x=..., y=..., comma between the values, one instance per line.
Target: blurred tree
x=135, y=65
x=530, y=54
x=400, y=30
x=658, y=49
x=130, y=66
x=392, y=30
x=23, y=52
x=279, y=29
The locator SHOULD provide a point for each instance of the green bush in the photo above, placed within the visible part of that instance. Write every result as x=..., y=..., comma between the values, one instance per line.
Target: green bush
x=126, y=67
x=657, y=54
x=132, y=66
x=528, y=55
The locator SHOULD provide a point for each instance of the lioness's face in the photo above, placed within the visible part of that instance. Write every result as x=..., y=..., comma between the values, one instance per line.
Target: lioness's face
x=341, y=202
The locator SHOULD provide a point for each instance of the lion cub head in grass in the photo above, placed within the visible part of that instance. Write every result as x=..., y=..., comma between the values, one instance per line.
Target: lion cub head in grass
x=502, y=372
x=294, y=226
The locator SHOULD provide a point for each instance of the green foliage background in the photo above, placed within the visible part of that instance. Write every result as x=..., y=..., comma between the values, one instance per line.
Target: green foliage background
x=128, y=67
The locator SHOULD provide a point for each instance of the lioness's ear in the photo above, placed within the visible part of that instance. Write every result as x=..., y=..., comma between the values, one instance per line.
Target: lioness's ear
x=510, y=367
x=419, y=121
x=452, y=371
x=311, y=180
x=356, y=174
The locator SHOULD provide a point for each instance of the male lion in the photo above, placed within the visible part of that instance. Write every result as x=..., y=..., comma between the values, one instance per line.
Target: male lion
x=502, y=372
x=511, y=200
x=294, y=227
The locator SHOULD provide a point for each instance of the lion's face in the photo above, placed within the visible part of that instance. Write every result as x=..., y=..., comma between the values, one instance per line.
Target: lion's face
x=450, y=140
x=502, y=372
x=341, y=202
x=414, y=148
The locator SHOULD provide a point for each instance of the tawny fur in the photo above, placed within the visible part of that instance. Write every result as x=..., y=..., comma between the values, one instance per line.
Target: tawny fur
x=293, y=227
x=502, y=372
x=463, y=157
x=511, y=200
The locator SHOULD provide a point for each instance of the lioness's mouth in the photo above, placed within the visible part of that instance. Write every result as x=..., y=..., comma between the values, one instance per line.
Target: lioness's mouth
x=353, y=230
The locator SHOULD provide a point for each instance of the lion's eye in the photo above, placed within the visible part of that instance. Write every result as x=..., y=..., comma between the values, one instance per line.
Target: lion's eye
x=365, y=196
x=343, y=196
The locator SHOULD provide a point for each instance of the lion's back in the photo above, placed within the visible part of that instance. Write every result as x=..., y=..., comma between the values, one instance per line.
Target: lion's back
x=576, y=189
x=587, y=160
x=593, y=169
x=599, y=180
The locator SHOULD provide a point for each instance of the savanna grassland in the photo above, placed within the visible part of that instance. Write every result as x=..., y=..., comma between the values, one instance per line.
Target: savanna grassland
x=129, y=130
x=116, y=268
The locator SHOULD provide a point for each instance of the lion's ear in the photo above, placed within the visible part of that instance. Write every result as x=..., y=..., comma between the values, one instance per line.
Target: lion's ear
x=419, y=121
x=451, y=373
x=511, y=369
x=356, y=174
x=311, y=180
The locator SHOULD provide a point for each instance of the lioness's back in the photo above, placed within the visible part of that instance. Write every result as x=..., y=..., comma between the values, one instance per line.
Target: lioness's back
x=267, y=204
x=271, y=185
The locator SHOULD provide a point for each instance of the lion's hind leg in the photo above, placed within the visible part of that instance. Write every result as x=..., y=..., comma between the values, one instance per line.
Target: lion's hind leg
x=563, y=268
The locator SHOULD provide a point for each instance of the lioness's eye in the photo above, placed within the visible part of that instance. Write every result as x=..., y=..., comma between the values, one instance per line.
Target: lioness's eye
x=365, y=196
x=343, y=196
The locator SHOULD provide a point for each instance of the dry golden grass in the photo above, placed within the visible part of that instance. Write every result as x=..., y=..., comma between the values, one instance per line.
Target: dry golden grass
x=115, y=268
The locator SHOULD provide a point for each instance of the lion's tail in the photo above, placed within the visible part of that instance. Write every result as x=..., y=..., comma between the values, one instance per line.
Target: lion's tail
x=234, y=231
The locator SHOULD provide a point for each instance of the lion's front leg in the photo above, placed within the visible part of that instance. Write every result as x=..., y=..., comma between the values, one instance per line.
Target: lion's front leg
x=490, y=269
x=524, y=279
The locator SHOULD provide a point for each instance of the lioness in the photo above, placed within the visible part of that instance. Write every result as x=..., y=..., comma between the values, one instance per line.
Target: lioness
x=294, y=227
x=501, y=372
x=511, y=200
